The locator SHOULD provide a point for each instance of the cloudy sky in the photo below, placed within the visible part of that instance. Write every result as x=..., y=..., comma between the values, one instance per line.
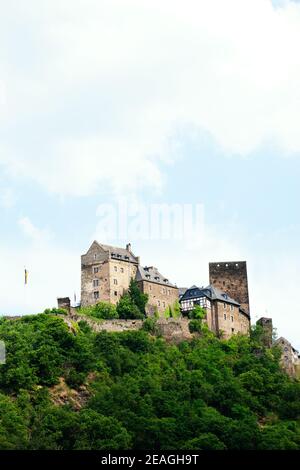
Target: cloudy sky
x=187, y=102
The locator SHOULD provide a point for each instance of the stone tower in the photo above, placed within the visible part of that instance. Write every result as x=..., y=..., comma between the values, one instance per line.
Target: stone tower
x=231, y=277
x=267, y=326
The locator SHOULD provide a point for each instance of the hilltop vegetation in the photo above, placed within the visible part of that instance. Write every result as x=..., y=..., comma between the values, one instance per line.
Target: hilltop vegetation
x=133, y=390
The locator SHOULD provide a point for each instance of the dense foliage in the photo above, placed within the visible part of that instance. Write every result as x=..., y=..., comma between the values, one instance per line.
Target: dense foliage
x=141, y=392
x=101, y=310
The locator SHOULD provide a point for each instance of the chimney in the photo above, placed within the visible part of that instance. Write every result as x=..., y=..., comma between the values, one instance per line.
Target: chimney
x=128, y=247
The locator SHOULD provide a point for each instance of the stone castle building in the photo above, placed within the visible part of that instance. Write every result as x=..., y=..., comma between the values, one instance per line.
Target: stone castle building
x=106, y=272
x=224, y=315
x=290, y=358
x=231, y=277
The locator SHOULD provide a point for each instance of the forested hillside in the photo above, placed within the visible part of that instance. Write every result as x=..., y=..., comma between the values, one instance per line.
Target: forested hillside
x=62, y=389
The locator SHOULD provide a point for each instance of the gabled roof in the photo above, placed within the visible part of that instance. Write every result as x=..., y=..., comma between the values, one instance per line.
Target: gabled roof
x=283, y=340
x=151, y=274
x=211, y=292
x=122, y=254
x=182, y=291
x=217, y=294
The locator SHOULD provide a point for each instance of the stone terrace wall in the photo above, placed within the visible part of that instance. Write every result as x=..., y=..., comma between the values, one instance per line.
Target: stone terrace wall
x=108, y=325
x=171, y=329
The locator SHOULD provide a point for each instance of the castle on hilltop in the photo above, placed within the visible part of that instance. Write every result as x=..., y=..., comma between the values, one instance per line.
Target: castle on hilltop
x=106, y=272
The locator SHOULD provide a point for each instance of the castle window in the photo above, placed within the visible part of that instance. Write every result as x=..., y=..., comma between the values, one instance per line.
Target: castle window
x=95, y=282
x=150, y=287
x=231, y=318
x=164, y=304
x=95, y=256
x=115, y=282
x=286, y=349
x=116, y=269
x=169, y=292
x=116, y=292
x=225, y=316
x=158, y=303
x=224, y=305
x=232, y=330
x=122, y=270
x=164, y=291
x=96, y=270
x=96, y=295
x=231, y=307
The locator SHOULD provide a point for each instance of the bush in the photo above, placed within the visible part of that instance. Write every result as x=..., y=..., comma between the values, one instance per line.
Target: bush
x=56, y=311
x=150, y=326
x=102, y=310
x=195, y=326
x=74, y=378
x=127, y=309
x=198, y=313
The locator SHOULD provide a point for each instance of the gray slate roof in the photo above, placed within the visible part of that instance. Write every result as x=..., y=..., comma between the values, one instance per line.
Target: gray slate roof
x=217, y=294
x=151, y=274
x=119, y=253
x=212, y=293
x=182, y=291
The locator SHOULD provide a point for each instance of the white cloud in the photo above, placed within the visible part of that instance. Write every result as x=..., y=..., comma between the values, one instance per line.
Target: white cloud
x=7, y=198
x=104, y=84
x=33, y=232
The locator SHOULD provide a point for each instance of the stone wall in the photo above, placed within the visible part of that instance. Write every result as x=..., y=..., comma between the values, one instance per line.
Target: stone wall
x=94, y=258
x=113, y=276
x=267, y=326
x=174, y=330
x=101, y=325
x=228, y=319
x=290, y=361
x=231, y=278
x=120, y=274
x=160, y=296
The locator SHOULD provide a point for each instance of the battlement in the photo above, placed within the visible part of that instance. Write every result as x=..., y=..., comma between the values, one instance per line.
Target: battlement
x=231, y=277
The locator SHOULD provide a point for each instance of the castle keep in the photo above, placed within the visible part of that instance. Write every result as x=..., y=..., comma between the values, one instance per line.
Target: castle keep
x=231, y=277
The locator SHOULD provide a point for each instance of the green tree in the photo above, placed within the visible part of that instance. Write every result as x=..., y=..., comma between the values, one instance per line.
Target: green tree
x=127, y=309
x=137, y=297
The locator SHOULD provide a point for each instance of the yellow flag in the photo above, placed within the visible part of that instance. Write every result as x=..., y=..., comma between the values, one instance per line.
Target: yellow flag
x=26, y=276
